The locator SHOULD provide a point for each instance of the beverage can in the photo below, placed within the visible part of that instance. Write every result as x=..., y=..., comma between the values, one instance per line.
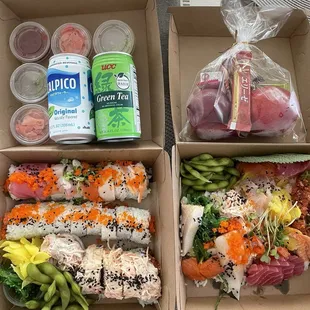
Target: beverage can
x=70, y=99
x=116, y=98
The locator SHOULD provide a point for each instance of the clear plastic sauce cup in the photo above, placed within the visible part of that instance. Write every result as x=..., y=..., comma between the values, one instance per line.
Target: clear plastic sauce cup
x=30, y=42
x=71, y=38
x=28, y=83
x=29, y=125
x=114, y=35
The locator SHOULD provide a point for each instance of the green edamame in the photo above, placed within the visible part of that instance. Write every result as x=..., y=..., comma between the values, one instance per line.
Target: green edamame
x=82, y=301
x=220, y=177
x=232, y=182
x=207, y=168
x=75, y=287
x=57, y=308
x=215, y=162
x=191, y=183
x=36, y=274
x=44, y=287
x=61, y=282
x=74, y=307
x=211, y=187
x=50, y=292
x=208, y=174
x=51, y=303
x=233, y=171
x=33, y=304
x=195, y=173
x=185, y=174
x=202, y=157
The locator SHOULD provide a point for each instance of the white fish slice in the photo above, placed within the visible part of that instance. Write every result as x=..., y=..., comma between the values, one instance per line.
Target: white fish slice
x=191, y=218
x=233, y=273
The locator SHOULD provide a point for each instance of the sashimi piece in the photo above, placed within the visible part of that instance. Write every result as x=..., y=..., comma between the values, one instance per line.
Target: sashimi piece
x=264, y=275
x=299, y=267
x=258, y=169
x=233, y=273
x=290, y=170
x=201, y=271
x=191, y=218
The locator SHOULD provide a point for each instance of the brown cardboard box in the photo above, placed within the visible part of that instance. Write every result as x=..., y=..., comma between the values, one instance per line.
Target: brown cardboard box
x=141, y=15
x=198, y=35
x=189, y=297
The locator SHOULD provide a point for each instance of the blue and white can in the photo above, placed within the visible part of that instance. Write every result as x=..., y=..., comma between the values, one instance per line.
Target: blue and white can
x=70, y=99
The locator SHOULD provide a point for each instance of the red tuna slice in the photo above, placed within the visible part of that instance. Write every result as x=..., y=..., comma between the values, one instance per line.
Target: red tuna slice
x=299, y=266
x=23, y=191
x=264, y=275
x=201, y=106
x=273, y=110
x=287, y=267
x=259, y=274
x=290, y=170
x=213, y=131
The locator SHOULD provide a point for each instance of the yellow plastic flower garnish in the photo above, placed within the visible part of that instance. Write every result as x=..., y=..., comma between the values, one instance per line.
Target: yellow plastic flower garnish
x=281, y=207
x=23, y=252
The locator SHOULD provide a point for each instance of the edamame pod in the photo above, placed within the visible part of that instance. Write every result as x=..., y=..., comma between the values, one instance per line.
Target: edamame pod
x=191, y=183
x=233, y=171
x=215, y=162
x=220, y=177
x=211, y=187
x=232, y=182
x=36, y=275
x=44, y=287
x=50, y=292
x=195, y=173
x=208, y=174
x=185, y=174
x=74, y=307
x=61, y=282
x=200, y=157
x=51, y=303
x=74, y=286
x=83, y=303
x=207, y=168
x=33, y=304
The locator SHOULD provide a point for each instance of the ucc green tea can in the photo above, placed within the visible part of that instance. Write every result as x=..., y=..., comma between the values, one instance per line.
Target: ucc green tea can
x=116, y=100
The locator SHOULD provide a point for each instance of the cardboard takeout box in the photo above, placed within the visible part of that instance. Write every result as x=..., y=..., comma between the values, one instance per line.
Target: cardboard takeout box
x=198, y=35
x=141, y=16
x=189, y=297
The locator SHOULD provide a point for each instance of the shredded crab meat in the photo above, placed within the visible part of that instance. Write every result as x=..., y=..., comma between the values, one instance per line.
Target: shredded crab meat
x=67, y=249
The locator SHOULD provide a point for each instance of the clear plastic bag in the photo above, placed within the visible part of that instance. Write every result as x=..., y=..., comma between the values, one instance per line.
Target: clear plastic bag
x=244, y=92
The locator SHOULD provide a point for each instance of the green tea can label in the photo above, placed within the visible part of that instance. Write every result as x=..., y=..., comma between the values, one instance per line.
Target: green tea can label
x=116, y=100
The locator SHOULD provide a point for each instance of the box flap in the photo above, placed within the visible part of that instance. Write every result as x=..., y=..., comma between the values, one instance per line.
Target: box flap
x=38, y=8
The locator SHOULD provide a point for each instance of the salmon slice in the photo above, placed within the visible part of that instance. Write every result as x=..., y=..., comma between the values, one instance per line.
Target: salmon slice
x=201, y=271
x=259, y=169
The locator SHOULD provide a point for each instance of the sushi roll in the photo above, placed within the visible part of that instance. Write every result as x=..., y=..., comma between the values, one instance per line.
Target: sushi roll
x=89, y=273
x=107, y=220
x=69, y=180
x=41, y=219
x=125, y=222
x=107, y=177
x=93, y=220
x=79, y=221
x=113, y=275
x=141, y=232
x=22, y=221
